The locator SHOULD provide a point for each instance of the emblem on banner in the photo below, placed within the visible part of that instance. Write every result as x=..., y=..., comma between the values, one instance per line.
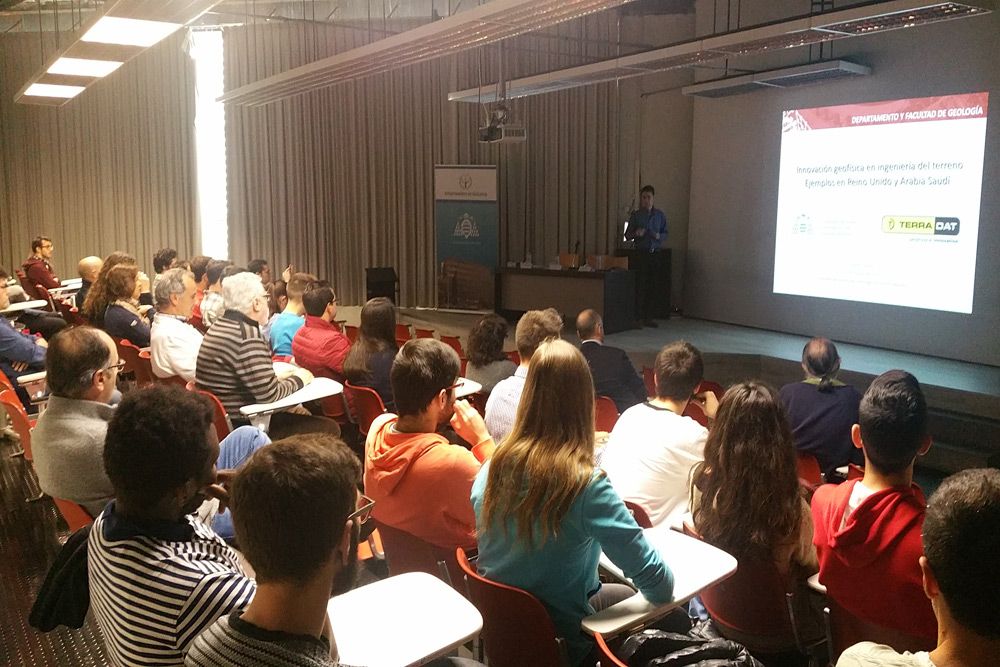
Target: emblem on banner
x=466, y=227
x=465, y=181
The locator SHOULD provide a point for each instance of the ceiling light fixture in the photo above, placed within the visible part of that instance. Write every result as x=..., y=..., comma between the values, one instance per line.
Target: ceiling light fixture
x=129, y=32
x=83, y=67
x=52, y=90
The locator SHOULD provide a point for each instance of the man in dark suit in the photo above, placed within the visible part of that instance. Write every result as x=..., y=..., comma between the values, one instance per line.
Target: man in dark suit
x=614, y=375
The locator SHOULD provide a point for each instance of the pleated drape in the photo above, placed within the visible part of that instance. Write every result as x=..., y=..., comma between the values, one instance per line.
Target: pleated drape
x=111, y=170
x=341, y=179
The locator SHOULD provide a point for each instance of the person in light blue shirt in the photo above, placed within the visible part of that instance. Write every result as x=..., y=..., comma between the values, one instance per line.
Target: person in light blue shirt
x=292, y=318
x=544, y=513
x=647, y=229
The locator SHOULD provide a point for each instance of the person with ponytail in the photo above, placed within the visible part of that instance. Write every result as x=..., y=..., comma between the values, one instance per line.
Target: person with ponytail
x=544, y=513
x=822, y=409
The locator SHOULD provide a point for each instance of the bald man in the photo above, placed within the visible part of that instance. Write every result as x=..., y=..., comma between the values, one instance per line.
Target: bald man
x=614, y=375
x=88, y=268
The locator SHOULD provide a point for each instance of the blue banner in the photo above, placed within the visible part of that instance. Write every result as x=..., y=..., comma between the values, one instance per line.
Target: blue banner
x=467, y=219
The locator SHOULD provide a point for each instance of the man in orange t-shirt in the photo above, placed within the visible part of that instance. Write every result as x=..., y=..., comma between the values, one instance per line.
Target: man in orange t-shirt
x=420, y=482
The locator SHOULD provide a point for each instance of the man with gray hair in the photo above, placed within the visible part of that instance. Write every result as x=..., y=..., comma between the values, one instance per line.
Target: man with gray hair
x=174, y=343
x=234, y=362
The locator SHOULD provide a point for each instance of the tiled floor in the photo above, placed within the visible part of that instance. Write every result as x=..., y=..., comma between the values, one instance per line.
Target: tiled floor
x=30, y=536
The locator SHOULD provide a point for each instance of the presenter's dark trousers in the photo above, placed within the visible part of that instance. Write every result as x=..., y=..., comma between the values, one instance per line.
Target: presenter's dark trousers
x=648, y=266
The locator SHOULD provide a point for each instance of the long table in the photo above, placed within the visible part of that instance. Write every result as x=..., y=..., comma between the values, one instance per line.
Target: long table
x=569, y=291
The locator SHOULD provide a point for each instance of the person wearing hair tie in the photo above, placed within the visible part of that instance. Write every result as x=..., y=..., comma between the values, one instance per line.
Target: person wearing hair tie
x=822, y=409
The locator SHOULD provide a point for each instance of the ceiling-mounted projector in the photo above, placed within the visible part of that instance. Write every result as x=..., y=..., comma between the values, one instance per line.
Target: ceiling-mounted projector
x=499, y=131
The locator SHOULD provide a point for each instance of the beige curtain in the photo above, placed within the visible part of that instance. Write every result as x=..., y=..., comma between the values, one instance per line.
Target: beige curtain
x=111, y=170
x=342, y=179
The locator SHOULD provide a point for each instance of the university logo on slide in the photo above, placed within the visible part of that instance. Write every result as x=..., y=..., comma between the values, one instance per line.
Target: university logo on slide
x=466, y=227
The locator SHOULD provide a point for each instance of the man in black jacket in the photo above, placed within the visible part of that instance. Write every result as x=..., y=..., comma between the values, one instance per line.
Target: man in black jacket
x=614, y=375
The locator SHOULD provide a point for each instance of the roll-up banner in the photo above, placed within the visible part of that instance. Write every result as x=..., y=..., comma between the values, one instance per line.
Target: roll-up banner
x=467, y=215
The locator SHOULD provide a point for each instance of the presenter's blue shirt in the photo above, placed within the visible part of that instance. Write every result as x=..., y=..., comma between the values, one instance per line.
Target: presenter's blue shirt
x=654, y=222
x=283, y=331
x=562, y=573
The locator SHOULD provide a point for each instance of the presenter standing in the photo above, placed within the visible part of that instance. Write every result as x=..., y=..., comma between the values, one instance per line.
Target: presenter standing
x=647, y=228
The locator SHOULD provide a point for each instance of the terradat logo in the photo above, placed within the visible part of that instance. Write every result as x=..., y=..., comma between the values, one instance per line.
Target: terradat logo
x=466, y=227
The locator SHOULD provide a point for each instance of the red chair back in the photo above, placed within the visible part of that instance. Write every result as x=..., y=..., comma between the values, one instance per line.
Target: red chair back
x=18, y=419
x=714, y=387
x=367, y=405
x=478, y=401
x=136, y=362
x=197, y=323
x=72, y=315
x=44, y=295
x=5, y=382
x=423, y=333
x=845, y=629
x=639, y=514
x=27, y=285
x=76, y=517
x=754, y=602
x=605, y=414
x=221, y=420
x=351, y=333
x=607, y=658
x=514, y=356
x=517, y=630
x=453, y=343
x=808, y=468
x=335, y=408
x=405, y=552
x=855, y=471
x=464, y=363
x=649, y=379
x=402, y=333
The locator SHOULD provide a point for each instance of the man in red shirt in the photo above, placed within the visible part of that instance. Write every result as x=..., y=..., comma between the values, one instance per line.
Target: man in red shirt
x=37, y=267
x=318, y=345
x=867, y=531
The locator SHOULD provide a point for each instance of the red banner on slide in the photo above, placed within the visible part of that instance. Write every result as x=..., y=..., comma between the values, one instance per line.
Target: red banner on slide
x=921, y=110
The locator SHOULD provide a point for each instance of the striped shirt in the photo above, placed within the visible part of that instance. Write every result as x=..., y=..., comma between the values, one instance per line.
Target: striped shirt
x=233, y=641
x=234, y=363
x=501, y=407
x=154, y=587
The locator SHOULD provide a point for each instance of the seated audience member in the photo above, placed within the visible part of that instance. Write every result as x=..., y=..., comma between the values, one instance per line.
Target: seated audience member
x=277, y=299
x=614, y=375
x=488, y=364
x=746, y=497
x=292, y=317
x=20, y=354
x=534, y=327
x=82, y=369
x=419, y=481
x=868, y=530
x=164, y=260
x=124, y=317
x=260, y=268
x=174, y=343
x=159, y=576
x=234, y=362
x=298, y=528
x=961, y=541
x=97, y=301
x=369, y=361
x=38, y=268
x=653, y=447
x=88, y=268
x=822, y=409
x=212, y=306
x=34, y=321
x=319, y=345
x=545, y=514
x=199, y=267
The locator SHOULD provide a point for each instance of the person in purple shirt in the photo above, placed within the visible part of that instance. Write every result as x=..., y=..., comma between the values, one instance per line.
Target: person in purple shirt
x=647, y=229
x=822, y=409
x=19, y=353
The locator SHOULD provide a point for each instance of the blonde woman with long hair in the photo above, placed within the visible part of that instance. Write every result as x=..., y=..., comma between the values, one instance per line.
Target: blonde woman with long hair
x=544, y=513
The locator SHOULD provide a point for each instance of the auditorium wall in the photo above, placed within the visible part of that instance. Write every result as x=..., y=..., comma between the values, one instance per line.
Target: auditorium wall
x=734, y=184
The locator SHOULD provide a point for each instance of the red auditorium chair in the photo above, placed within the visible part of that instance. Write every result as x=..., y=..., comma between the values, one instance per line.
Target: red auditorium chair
x=76, y=517
x=223, y=426
x=649, y=379
x=605, y=414
x=639, y=514
x=367, y=405
x=454, y=343
x=844, y=629
x=405, y=552
x=808, y=469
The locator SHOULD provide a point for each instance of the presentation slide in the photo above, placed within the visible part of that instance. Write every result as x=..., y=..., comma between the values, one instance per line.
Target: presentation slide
x=880, y=202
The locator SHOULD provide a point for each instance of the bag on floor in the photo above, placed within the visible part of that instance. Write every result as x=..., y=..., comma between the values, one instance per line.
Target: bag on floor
x=64, y=597
x=657, y=648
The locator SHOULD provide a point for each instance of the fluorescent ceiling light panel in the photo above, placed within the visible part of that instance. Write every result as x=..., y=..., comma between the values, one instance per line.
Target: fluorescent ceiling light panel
x=84, y=67
x=129, y=32
x=51, y=90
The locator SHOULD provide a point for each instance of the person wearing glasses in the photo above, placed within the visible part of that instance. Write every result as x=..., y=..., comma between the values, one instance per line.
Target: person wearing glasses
x=420, y=482
x=319, y=345
x=38, y=267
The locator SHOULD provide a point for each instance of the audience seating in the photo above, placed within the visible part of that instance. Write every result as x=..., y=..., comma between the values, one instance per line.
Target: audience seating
x=605, y=414
x=45, y=295
x=855, y=471
x=76, y=517
x=335, y=407
x=423, y=333
x=27, y=285
x=514, y=356
x=402, y=333
x=405, y=552
x=649, y=378
x=22, y=425
x=808, y=469
x=72, y=315
x=453, y=343
x=464, y=364
x=754, y=606
x=197, y=323
x=607, y=658
x=478, y=401
x=694, y=411
x=223, y=426
x=844, y=629
x=137, y=362
x=639, y=514
x=569, y=260
x=5, y=382
x=517, y=630
x=367, y=406
x=351, y=333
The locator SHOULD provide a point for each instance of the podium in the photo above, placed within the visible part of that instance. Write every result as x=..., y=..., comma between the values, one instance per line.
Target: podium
x=661, y=266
